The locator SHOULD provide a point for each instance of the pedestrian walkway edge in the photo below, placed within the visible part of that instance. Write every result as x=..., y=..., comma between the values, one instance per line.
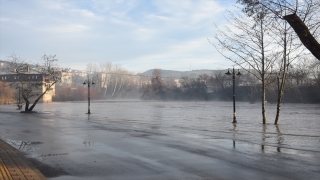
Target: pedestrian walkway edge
x=14, y=165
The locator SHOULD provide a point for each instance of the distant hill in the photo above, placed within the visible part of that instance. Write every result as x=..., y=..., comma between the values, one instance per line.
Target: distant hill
x=180, y=74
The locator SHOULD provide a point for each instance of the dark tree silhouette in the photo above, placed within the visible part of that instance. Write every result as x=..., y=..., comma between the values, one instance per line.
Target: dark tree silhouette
x=302, y=16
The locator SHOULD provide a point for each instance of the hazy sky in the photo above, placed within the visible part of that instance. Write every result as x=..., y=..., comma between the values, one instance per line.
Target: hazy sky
x=136, y=34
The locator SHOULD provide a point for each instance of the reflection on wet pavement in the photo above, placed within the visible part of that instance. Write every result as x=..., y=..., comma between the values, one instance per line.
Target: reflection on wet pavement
x=88, y=143
x=25, y=146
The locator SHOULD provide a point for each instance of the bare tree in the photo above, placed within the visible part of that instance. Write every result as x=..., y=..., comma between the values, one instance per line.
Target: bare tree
x=291, y=52
x=92, y=75
x=35, y=80
x=220, y=80
x=315, y=69
x=158, y=85
x=246, y=42
x=171, y=83
x=251, y=86
x=116, y=68
x=299, y=72
x=157, y=88
x=114, y=80
x=106, y=69
x=302, y=15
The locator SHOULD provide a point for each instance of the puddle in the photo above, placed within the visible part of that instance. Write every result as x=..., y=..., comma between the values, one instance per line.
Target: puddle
x=88, y=143
x=43, y=157
x=48, y=155
x=31, y=148
x=24, y=146
x=262, y=148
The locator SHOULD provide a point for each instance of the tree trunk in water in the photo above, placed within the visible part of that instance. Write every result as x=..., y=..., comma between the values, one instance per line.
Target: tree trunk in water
x=304, y=34
x=263, y=75
x=284, y=76
x=35, y=102
x=280, y=95
x=264, y=117
x=26, y=108
x=27, y=105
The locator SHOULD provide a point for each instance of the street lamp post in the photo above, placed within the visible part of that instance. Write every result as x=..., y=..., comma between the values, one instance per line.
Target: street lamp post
x=88, y=81
x=234, y=92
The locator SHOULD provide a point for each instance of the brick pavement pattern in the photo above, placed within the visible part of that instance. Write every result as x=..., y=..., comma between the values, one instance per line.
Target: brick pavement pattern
x=14, y=166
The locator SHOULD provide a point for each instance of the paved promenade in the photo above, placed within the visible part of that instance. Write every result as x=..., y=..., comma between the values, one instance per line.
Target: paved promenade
x=14, y=166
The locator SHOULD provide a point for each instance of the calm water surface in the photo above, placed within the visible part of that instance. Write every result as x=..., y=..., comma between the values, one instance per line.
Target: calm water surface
x=298, y=129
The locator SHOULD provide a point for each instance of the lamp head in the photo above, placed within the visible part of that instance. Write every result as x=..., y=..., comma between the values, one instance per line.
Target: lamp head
x=228, y=73
x=239, y=73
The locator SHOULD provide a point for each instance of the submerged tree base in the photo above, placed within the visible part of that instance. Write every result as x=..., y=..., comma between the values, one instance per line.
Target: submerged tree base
x=28, y=111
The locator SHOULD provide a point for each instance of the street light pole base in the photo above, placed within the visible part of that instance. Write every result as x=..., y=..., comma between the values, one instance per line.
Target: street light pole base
x=234, y=121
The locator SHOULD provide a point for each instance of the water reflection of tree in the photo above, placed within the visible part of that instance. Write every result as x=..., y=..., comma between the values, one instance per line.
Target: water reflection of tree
x=264, y=128
x=280, y=139
x=24, y=145
x=157, y=117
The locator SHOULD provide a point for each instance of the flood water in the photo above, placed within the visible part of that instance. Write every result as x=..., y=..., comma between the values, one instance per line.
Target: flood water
x=167, y=140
